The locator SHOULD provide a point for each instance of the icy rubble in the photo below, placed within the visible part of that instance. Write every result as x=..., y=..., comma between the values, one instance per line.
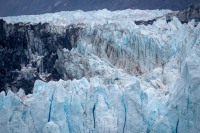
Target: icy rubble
x=106, y=95
x=139, y=49
x=91, y=17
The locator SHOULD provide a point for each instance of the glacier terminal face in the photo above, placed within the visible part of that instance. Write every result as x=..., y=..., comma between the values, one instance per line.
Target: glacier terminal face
x=99, y=72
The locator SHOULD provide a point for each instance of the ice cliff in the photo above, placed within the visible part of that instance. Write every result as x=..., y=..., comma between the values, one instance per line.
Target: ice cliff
x=100, y=72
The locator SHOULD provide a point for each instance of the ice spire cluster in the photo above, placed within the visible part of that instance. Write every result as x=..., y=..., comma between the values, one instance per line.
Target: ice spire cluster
x=116, y=76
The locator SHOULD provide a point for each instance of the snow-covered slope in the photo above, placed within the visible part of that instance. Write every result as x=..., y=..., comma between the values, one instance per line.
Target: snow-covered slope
x=123, y=77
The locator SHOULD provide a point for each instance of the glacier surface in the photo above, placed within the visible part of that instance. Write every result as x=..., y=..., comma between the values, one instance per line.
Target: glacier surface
x=128, y=78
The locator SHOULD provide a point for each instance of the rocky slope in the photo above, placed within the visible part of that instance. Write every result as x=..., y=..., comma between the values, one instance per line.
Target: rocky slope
x=193, y=12
x=28, y=52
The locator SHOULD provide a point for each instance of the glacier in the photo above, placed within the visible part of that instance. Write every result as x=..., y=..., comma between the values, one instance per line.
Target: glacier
x=118, y=77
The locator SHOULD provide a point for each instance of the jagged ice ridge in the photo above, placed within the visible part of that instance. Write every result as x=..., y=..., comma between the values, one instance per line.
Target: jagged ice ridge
x=125, y=77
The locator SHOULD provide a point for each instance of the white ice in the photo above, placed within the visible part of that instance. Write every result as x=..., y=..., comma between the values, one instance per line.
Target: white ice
x=108, y=94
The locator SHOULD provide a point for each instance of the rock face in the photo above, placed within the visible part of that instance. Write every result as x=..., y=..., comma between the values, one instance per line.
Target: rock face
x=115, y=76
x=193, y=12
x=28, y=52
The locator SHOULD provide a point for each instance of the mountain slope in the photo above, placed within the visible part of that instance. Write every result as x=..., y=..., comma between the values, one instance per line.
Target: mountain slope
x=27, y=7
